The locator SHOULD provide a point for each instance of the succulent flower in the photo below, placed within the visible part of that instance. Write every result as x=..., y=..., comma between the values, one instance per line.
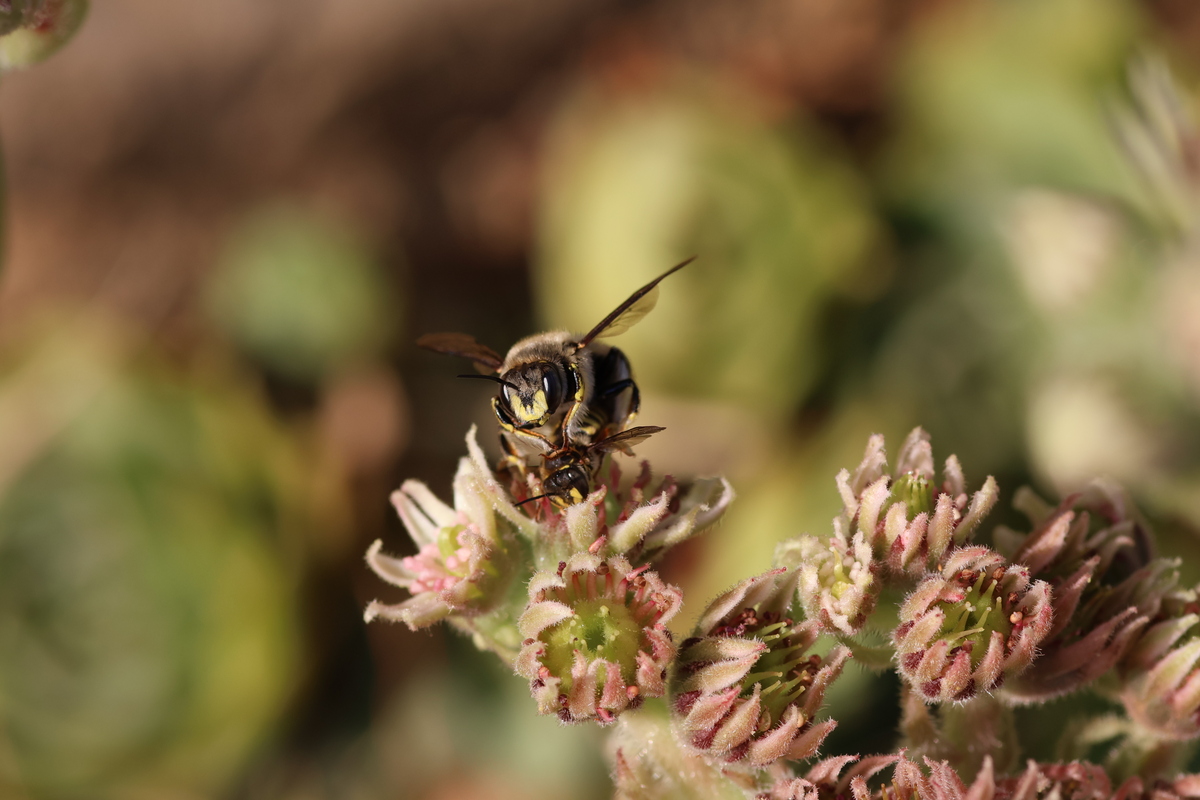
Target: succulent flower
x=464, y=564
x=744, y=688
x=641, y=522
x=838, y=581
x=1161, y=676
x=964, y=630
x=596, y=640
x=1096, y=553
x=908, y=519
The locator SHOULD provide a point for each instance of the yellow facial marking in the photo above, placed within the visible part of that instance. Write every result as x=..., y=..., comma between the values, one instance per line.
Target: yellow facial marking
x=535, y=411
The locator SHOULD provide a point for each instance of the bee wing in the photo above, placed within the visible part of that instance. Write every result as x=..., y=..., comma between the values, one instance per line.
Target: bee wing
x=462, y=344
x=626, y=439
x=626, y=315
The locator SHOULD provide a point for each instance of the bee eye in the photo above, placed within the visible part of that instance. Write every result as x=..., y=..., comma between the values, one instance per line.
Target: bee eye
x=553, y=388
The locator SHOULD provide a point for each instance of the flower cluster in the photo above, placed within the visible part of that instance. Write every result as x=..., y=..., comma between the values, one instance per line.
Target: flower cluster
x=570, y=597
x=567, y=595
x=893, y=525
x=1161, y=673
x=641, y=522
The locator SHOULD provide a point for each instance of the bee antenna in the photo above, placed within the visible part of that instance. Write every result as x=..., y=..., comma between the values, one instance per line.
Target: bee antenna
x=498, y=380
x=531, y=499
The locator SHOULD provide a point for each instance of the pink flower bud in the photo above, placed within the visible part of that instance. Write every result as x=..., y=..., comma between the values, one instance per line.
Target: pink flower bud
x=838, y=582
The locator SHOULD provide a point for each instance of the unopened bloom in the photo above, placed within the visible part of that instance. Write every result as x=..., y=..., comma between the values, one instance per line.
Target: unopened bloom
x=745, y=688
x=909, y=518
x=463, y=565
x=1095, y=552
x=596, y=640
x=1161, y=673
x=964, y=630
x=838, y=580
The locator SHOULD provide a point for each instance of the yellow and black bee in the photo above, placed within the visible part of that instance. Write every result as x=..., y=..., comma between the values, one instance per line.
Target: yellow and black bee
x=559, y=391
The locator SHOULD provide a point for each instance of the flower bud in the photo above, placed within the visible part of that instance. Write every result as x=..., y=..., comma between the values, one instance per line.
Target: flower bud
x=908, y=518
x=744, y=689
x=1161, y=674
x=596, y=640
x=1095, y=552
x=964, y=630
x=838, y=582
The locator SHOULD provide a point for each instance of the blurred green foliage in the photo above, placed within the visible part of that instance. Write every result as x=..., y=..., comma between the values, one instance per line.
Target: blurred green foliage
x=150, y=528
x=780, y=222
x=301, y=293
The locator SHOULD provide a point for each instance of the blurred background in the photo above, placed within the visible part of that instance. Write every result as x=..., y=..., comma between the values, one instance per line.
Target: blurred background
x=226, y=223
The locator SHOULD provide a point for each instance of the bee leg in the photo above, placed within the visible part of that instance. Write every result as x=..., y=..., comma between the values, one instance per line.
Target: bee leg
x=570, y=426
x=511, y=461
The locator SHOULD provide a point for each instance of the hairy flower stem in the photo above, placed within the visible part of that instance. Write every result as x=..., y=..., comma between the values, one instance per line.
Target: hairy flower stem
x=877, y=657
x=649, y=764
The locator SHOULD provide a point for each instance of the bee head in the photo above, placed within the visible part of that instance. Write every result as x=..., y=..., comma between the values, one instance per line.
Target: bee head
x=533, y=392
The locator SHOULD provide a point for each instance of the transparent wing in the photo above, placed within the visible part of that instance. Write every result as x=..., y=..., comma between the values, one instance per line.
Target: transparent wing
x=629, y=313
x=626, y=439
x=462, y=344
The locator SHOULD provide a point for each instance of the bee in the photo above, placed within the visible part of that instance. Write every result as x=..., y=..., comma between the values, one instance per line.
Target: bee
x=559, y=390
x=567, y=472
